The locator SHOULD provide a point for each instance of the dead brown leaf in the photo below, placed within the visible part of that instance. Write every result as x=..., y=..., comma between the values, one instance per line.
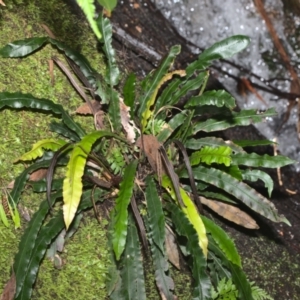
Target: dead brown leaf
x=171, y=248
x=85, y=109
x=151, y=147
x=231, y=213
x=9, y=289
x=2, y=3
x=127, y=124
x=38, y=175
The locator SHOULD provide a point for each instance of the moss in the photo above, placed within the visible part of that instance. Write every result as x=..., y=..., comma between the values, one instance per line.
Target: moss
x=31, y=74
x=20, y=129
x=83, y=274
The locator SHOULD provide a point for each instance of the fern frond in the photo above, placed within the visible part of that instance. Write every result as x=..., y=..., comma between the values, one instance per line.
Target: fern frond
x=209, y=155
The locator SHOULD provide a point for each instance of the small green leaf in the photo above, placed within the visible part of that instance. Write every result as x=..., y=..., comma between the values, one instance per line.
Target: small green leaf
x=109, y=5
x=254, y=175
x=217, y=98
x=209, y=155
x=255, y=160
x=121, y=209
x=23, y=47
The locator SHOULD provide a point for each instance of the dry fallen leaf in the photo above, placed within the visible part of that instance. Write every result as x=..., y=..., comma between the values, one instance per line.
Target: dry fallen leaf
x=35, y=176
x=10, y=288
x=171, y=248
x=2, y=3
x=127, y=124
x=84, y=109
x=38, y=175
x=231, y=213
x=151, y=147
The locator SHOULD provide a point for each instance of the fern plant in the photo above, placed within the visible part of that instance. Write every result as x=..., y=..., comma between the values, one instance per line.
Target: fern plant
x=136, y=147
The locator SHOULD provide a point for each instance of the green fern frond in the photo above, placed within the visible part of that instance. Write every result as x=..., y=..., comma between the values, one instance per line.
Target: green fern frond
x=258, y=293
x=209, y=155
x=116, y=160
x=226, y=290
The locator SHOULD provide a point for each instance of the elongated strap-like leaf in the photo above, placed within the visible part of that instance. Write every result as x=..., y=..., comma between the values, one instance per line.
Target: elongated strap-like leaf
x=156, y=215
x=129, y=93
x=190, y=211
x=211, y=142
x=28, y=241
x=201, y=285
x=133, y=282
x=153, y=82
x=41, y=185
x=21, y=180
x=253, y=143
x=83, y=64
x=240, y=190
x=164, y=283
x=121, y=209
x=39, y=147
x=150, y=102
x=243, y=118
x=34, y=244
x=50, y=170
x=72, y=187
x=112, y=74
x=238, y=276
x=217, y=98
x=254, y=175
x=22, y=48
x=255, y=160
x=178, y=88
x=190, y=173
x=63, y=130
x=19, y=101
x=223, y=49
x=173, y=124
x=224, y=242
